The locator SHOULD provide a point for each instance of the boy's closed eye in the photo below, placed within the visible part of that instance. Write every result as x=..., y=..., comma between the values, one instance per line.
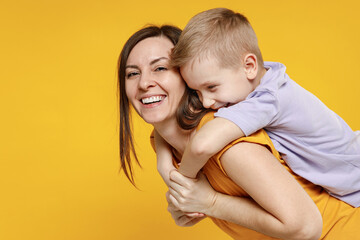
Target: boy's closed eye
x=211, y=87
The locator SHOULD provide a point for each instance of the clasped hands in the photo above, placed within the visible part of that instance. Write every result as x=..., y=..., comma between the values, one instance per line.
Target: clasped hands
x=189, y=200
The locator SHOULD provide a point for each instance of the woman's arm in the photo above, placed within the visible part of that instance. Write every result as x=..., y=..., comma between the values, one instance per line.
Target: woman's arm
x=164, y=166
x=279, y=206
x=164, y=157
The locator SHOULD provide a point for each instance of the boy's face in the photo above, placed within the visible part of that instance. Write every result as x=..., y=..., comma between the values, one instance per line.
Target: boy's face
x=216, y=86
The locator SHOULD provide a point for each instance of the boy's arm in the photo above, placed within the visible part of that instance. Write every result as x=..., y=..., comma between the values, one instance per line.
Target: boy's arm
x=208, y=141
x=164, y=157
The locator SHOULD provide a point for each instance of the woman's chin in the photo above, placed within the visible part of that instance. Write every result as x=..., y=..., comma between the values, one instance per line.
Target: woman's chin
x=153, y=118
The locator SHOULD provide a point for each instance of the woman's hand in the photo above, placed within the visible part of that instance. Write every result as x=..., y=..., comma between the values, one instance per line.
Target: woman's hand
x=191, y=195
x=183, y=219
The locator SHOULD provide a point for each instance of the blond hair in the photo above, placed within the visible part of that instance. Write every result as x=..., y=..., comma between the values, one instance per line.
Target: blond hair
x=220, y=33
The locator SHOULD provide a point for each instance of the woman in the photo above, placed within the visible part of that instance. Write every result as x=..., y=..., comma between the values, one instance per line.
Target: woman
x=255, y=193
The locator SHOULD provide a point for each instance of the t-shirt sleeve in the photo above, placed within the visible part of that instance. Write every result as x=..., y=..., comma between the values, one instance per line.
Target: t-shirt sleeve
x=257, y=111
x=152, y=140
x=260, y=137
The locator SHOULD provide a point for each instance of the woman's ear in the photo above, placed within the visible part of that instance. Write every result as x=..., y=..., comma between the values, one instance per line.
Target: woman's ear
x=250, y=66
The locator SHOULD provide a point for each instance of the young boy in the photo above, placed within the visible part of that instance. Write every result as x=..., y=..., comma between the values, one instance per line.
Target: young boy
x=219, y=57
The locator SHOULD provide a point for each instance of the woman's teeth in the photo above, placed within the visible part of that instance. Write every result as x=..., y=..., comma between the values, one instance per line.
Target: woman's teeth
x=152, y=99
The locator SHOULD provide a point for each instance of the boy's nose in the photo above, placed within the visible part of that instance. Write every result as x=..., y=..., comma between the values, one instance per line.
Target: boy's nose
x=208, y=103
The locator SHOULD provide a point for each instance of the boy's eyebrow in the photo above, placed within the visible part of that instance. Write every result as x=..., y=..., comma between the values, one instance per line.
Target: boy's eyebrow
x=205, y=83
x=151, y=63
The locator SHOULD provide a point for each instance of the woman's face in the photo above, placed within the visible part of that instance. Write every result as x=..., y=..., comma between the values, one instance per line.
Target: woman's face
x=152, y=88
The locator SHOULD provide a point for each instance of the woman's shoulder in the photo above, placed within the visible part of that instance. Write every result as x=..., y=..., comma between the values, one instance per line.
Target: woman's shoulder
x=259, y=137
x=152, y=140
x=206, y=118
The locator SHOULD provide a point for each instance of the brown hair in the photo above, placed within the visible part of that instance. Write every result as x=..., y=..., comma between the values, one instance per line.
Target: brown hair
x=190, y=110
x=188, y=114
x=126, y=138
x=220, y=33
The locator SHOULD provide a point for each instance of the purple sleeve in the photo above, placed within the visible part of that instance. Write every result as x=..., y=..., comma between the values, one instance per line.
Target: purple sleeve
x=256, y=112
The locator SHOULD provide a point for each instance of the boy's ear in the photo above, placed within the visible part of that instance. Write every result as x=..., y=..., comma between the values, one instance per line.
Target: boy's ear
x=250, y=66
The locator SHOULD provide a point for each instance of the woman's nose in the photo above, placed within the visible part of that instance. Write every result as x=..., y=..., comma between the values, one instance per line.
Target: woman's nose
x=146, y=81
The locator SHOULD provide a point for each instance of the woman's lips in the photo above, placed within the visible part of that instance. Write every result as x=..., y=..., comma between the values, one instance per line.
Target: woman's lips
x=152, y=101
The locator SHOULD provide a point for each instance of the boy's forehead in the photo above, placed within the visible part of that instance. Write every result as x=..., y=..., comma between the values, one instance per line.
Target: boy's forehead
x=189, y=65
x=198, y=63
x=187, y=71
x=196, y=76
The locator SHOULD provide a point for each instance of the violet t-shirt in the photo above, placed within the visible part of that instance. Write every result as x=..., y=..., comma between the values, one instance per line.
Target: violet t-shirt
x=313, y=140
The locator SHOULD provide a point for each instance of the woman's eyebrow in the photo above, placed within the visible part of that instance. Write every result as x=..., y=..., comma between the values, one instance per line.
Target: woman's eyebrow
x=157, y=60
x=131, y=66
x=151, y=63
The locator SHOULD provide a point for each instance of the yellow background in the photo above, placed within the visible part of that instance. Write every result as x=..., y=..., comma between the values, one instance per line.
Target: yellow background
x=58, y=137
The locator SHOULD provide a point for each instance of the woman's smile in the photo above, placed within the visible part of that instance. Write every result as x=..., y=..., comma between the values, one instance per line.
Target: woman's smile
x=152, y=101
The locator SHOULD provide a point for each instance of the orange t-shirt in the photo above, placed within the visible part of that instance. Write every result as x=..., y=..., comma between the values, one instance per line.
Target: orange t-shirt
x=340, y=220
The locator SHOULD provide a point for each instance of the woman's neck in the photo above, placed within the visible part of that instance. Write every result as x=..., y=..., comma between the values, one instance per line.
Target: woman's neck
x=174, y=135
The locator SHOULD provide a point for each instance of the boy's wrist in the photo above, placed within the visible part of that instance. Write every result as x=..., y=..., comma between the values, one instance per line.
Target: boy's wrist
x=185, y=173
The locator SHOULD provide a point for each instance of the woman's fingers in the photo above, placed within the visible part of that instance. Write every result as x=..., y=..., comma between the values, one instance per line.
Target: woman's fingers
x=176, y=187
x=177, y=191
x=195, y=215
x=180, y=184
x=167, y=195
x=174, y=198
x=178, y=178
x=182, y=219
x=194, y=221
x=178, y=202
x=172, y=202
x=185, y=221
x=196, y=196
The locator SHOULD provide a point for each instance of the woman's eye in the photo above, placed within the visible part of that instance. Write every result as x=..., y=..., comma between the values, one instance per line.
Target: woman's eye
x=131, y=74
x=211, y=87
x=159, y=69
